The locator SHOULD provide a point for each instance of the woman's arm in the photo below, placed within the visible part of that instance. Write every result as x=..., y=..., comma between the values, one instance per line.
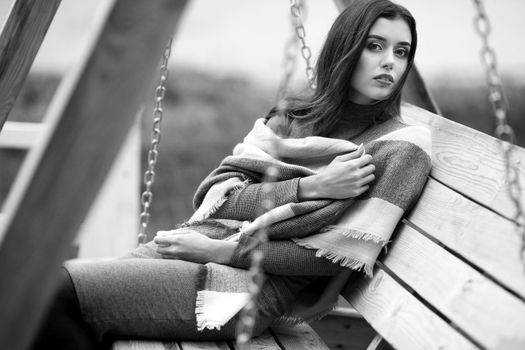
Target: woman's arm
x=347, y=176
x=280, y=257
x=283, y=257
x=245, y=203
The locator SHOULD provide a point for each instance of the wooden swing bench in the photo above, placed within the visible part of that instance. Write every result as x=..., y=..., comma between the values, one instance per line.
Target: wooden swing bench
x=453, y=276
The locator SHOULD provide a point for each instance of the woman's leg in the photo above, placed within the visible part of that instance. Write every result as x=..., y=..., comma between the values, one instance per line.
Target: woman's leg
x=63, y=327
x=144, y=299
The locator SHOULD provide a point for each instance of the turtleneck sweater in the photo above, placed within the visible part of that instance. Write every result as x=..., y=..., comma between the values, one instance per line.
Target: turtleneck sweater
x=289, y=267
x=286, y=258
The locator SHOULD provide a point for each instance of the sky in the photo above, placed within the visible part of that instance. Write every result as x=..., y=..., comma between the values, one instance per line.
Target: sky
x=246, y=37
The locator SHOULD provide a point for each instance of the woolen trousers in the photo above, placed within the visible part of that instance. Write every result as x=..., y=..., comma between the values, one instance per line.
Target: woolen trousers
x=143, y=296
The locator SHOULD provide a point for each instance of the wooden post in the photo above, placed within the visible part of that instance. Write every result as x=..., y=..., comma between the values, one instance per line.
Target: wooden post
x=415, y=90
x=20, y=40
x=89, y=119
x=112, y=223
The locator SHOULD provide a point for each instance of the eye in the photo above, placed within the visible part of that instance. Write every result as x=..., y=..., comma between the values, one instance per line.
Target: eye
x=401, y=52
x=374, y=46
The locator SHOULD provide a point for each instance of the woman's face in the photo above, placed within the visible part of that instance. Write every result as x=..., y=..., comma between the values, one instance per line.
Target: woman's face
x=382, y=62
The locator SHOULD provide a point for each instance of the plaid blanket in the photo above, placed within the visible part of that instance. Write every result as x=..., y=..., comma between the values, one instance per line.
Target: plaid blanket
x=350, y=232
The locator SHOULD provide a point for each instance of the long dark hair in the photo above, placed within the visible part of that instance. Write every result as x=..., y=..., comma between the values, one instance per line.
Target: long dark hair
x=336, y=63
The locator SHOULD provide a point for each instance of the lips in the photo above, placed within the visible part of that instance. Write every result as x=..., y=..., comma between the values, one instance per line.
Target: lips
x=385, y=79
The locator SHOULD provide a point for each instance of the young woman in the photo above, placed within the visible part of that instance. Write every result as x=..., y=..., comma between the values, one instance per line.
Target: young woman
x=346, y=169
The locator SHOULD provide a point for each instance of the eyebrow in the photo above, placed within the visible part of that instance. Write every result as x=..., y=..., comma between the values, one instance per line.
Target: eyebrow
x=374, y=36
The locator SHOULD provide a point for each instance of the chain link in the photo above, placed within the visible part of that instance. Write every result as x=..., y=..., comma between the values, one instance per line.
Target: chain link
x=297, y=8
x=153, y=154
x=249, y=312
x=500, y=109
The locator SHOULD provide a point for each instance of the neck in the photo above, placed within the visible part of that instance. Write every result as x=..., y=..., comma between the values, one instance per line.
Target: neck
x=363, y=114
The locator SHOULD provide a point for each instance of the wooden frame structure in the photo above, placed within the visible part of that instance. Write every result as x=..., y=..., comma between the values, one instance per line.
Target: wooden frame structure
x=109, y=85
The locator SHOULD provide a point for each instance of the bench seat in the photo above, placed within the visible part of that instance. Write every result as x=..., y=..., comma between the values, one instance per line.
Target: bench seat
x=300, y=337
x=454, y=274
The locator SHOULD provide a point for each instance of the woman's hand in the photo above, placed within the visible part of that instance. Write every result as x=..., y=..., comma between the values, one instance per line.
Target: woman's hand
x=347, y=176
x=189, y=245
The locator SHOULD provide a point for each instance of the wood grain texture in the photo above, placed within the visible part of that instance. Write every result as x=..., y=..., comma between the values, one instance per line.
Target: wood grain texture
x=21, y=37
x=469, y=161
x=204, y=345
x=488, y=313
x=399, y=317
x=145, y=345
x=482, y=237
x=90, y=125
x=265, y=341
x=299, y=337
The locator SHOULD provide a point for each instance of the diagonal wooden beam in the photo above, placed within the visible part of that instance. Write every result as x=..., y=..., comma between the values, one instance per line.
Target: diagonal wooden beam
x=415, y=90
x=20, y=40
x=90, y=117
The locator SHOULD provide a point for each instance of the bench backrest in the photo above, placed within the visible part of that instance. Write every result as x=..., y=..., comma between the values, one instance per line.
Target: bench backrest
x=453, y=275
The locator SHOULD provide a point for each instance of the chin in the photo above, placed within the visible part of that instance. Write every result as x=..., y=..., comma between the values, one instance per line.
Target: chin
x=380, y=95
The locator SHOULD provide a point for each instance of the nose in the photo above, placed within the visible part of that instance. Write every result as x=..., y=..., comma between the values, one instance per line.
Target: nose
x=388, y=60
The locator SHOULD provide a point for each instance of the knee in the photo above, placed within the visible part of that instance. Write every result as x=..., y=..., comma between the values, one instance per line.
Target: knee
x=65, y=294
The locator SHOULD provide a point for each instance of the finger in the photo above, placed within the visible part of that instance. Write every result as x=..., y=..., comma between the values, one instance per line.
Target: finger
x=367, y=179
x=367, y=170
x=362, y=161
x=360, y=151
x=160, y=240
x=162, y=250
x=362, y=190
x=167, y=240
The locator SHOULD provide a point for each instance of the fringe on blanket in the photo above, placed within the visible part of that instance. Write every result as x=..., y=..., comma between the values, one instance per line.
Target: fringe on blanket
x=344, y=261
x=214, y=306
x=289, y=320
x=218, y=202
x=366, y=236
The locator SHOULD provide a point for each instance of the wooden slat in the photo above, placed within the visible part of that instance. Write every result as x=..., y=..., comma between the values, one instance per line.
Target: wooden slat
x=265, y=341
x=20, y=40
x=379, y=343
x=90, y=124
x=204, y=345
x=400, y=318
x=469, y=161
x=341, y=332
x=415, y=90
x=300, y=337
x=116, y=206
x=488, y=313
x=21, y=135
x=145, y=345
x=484, y=238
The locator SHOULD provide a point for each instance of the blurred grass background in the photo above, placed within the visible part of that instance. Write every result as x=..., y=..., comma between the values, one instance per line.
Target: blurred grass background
x=205, y=116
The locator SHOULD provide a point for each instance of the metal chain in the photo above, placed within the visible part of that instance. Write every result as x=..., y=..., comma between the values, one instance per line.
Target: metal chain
x=500, y=110
x=289, y=65
x=297, y=7
x=249, y=312
x=153, y=154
